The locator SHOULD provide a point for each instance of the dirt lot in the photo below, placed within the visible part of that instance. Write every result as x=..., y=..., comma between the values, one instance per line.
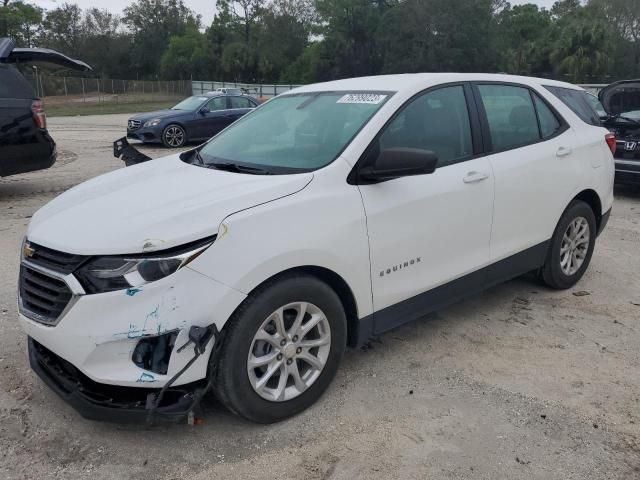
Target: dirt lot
x=517, y=383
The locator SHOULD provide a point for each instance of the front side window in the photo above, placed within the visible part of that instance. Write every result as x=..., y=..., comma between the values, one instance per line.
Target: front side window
x=190, y=104
x=511, y=116
x=437, y=121
x=294, y=133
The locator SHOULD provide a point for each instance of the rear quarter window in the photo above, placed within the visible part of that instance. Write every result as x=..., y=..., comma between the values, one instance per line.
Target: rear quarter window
x=578, y=102
x=13, y=84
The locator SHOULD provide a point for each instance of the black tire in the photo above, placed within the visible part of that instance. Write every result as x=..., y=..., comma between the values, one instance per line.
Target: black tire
x=232, y=385
x=174, y=136
x=552, y=273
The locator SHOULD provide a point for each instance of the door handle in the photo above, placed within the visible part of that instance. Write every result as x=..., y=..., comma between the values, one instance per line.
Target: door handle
x=474, y=177
x=564, y=152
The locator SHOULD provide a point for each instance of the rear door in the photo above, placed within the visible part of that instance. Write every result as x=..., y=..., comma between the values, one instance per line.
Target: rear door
x=239, y=106
x=533, y=157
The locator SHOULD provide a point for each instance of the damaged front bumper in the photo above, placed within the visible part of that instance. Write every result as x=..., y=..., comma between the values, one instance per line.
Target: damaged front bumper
x=96, y=401
x=145, y=134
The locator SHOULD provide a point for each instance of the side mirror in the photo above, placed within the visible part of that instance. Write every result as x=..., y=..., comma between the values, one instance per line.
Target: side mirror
x=399, y=162
x=204, y=110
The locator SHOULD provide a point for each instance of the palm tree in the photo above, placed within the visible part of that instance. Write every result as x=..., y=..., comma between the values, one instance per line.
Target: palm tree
x=580, y=51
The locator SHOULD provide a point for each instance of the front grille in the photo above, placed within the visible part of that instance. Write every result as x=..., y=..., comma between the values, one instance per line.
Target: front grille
x=134, y=124
x=53, y=259
x=43, y=296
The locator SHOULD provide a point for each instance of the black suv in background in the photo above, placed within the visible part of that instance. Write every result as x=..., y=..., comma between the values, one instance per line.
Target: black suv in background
x=25, y=144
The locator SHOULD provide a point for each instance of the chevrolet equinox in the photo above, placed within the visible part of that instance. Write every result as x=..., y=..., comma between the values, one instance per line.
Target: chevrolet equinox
x=326, y=216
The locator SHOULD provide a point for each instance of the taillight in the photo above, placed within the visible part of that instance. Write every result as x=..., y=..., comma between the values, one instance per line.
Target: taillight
x=610, y=138
x=38, y=114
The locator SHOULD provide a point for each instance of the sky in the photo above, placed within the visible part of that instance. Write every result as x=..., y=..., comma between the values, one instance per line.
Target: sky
x=205, y=8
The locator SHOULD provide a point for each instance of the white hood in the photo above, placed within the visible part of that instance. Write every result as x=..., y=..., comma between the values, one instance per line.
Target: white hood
x=152, y=206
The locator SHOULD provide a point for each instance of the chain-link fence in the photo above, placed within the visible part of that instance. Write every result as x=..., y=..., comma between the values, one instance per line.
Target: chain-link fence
x=76, y=92
x=79, y=91
x=256, y=89
x=271, y=90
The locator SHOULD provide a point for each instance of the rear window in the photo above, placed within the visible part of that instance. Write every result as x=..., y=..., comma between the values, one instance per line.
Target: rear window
x=578, y=102
x=241, y=102
x=13, y=84
x=511, y=116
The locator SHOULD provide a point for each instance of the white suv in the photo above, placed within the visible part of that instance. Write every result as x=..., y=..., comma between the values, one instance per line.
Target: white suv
x=329, y=215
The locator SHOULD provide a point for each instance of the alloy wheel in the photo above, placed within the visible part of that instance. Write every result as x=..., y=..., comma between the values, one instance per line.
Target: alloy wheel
x=289, y=351
x=174, y=136
x=574, y=246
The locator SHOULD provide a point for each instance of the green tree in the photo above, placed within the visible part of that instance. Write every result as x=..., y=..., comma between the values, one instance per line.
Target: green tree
x=105, y=46
x=580, y=53
x=623, y=16
x=239, y=61
x=188, y=56
x=63, y=29
x=20, y=21
x=349, y=36
x=283, y=35
x=523, y=37
x=437, y=35
x=152, y=23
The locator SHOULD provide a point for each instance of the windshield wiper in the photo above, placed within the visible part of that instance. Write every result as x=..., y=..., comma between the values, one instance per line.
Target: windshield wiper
x=198, y=157
x=234, y=167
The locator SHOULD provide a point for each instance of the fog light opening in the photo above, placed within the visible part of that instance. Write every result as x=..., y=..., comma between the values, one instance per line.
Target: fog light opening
x=153, y=353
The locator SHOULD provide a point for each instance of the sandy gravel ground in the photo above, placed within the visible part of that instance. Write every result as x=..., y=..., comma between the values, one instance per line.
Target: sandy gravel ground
x=517, y=383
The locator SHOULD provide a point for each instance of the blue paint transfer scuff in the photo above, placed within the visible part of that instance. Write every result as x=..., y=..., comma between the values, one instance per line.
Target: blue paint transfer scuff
x=146, y=378
x=132, y=291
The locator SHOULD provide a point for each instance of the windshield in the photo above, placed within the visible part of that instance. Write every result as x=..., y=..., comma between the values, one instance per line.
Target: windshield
x=294, y=133
x=190, y=104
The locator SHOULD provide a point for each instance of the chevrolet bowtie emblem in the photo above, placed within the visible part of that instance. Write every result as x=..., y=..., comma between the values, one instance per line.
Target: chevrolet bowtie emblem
x=28, y=251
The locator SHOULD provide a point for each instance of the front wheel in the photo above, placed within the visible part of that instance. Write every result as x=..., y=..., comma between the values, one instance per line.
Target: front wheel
x=174, y=136
x=571, y=247
x=282, y=348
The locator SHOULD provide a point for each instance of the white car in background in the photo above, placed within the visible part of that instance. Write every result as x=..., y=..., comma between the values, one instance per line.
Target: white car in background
x=328, y=215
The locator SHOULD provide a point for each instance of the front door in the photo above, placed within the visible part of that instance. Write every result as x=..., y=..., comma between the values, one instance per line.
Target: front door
x=428, y=230
x=212, y=118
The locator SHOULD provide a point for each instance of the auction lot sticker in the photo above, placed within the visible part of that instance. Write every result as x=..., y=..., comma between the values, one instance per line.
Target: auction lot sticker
x=368, y=98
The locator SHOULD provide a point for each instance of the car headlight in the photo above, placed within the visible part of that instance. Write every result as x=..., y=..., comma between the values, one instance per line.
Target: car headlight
x=119, y=272
x=152, y=123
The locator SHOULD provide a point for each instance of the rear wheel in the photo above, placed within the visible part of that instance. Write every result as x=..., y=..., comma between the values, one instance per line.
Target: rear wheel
x=282, y=348
x=571, y=247
x=174, y=136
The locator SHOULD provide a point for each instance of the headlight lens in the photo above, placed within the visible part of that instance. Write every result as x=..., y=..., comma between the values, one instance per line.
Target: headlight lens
x=108, y=274
x=152, y=123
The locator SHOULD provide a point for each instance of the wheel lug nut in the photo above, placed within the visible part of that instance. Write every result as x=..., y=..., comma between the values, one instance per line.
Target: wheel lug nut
x=283, y=343
x=298, y=350
x=289, y=362
x=279, y=357
x=295, y=338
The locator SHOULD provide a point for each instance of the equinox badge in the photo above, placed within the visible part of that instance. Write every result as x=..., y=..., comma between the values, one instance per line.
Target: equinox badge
x=400, y=266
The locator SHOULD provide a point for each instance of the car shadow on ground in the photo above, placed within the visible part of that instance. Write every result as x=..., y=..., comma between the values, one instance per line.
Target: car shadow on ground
x=627, y=191
x=393, y=343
